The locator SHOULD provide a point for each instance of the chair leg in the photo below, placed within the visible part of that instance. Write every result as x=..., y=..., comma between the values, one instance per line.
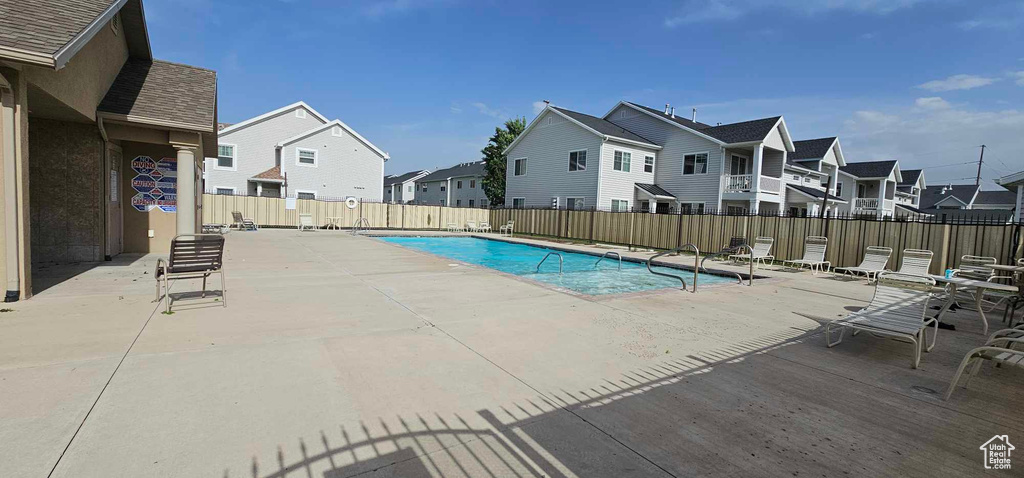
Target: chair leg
x=956, y=376
x=157, y=299
x=167, y=296
x=202, y=295
x=917, y=352
x=223, y=289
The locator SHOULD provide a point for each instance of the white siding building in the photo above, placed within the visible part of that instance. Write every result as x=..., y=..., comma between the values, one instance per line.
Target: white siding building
x=295, y=152
x=401, y=188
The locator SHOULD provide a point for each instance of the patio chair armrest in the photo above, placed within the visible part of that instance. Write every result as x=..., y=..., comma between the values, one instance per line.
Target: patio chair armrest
x=161, y=267
x=996, y=278
x=1005, y=340
x=989, y=348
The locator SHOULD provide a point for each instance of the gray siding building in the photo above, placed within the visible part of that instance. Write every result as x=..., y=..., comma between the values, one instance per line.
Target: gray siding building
x=457, y=186
x=295, y=151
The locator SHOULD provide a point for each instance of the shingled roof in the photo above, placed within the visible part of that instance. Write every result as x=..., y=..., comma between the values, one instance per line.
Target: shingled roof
x=742, y=132
x=401, y=178
x=604, y=126
x=995, y=197
x=932, y=195
x=811, y=148
x=164, y=93
x=910, y=176
x=272, y=174
x=869, y=169
x=459, y=170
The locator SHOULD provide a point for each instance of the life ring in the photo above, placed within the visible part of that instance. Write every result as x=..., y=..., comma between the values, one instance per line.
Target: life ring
x=352, y=203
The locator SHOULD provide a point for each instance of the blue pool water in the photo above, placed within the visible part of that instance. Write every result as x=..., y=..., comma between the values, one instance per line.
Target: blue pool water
x=579, y=273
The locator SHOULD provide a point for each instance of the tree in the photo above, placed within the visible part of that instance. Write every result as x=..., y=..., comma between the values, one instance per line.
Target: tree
x=496, y=161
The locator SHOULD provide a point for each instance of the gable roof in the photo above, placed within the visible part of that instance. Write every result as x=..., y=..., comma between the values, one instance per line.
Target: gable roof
x=603, y=126
x=995, y=197
x=272, y=174
x=475, y=168
x=164, y=94
x=332, y=124
x=932, y=195
x=869, y=169
x=731, y=133
x=815, y=193
x=910, y=176
x=810, y=149
x=50, y=32
x=271, y=114
x=654, y=190
x=401, y=178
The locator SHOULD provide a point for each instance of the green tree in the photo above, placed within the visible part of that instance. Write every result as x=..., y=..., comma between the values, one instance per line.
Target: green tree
x=496, y=161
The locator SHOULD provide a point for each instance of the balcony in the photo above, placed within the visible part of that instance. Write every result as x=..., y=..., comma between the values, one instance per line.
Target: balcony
x=743, y=183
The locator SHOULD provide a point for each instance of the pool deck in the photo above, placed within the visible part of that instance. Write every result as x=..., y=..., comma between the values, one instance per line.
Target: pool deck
x=345, y=355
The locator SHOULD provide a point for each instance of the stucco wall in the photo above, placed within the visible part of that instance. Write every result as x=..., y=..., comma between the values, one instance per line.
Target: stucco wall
x=66, y=200
x=136, y=224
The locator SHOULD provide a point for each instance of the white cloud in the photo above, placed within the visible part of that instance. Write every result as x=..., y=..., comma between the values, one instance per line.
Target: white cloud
x=957, y=82
x=1019, y=75
x=538, y=106
x=696, y=11
x=488, y=111
x=932, y=103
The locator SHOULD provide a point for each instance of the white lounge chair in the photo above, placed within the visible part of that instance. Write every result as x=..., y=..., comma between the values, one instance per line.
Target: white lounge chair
x=507, y=228
x=243, y=223
x=814, y=255
x=484, y=226
x=452, y=227
x=306, y=222
x=875, y=259
x=896, y=310
x=471, y=226
x=916, y=261
x=999, y=348
x=760, y=253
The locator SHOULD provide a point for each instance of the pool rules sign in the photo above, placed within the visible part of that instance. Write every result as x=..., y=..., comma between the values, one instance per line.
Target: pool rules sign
x=155, y=184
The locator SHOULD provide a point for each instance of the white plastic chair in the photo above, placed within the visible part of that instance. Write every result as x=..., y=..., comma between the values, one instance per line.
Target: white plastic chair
x=760, y=253
x=875, y=260
x=814, y=254
x=916, y=261
x=306, y=222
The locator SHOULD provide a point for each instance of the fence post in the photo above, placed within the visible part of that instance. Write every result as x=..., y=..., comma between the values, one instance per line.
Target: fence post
x=592, y=214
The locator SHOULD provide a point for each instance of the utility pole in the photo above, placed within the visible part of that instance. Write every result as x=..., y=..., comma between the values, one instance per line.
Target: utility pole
x=977, y=179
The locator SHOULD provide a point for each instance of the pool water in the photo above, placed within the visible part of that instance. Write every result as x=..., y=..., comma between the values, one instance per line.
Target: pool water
x=579, y=273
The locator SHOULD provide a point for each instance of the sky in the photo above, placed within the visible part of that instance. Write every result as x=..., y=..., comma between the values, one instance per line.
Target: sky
x=922, y=81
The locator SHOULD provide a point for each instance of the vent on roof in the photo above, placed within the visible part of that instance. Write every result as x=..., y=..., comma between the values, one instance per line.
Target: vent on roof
x=673, y=112
x=666, y=108
x=115, y=24
x=300, y=113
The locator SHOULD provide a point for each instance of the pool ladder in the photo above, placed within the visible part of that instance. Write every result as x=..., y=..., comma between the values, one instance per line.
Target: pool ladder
x=606, y=254
x=696, y=265
x=546, y=258
x=360, y=225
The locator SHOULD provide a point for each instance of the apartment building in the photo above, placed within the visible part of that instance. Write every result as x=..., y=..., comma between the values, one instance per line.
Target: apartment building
x=401, y=188
x=458, y=186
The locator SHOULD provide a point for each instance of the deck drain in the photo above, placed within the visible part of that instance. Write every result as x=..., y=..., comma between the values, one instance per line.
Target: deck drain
x=918, y=388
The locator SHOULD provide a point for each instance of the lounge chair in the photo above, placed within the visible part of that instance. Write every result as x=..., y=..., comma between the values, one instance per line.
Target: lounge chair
x=896, y=310
x=306, y=222
x=760, y=253
x=507, y=228
x=976, y=267
x=814, y=255
x=242, y=223
x=916, y=261
x=999, y=348
x=484, y=226
x=452, y=227
x=193, y=256
x=471, y=226
x=875, y=259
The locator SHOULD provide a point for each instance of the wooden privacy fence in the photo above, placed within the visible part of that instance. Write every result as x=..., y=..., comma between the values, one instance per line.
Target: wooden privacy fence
x=271, y=212
x=847, y=238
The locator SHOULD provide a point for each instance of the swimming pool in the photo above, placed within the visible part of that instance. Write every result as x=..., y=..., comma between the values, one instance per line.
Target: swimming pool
x=579, y=273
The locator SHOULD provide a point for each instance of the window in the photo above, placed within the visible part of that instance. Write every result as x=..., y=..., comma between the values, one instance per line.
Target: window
x=648, y=164
x=796, y=177
x=458, y=203
x=336, y=131
x=839, y=188
x=519, y=167
x=442, y=202
x=226, y=191
x=574, y=204
x=738, y=164
x=444, y=187
x=424, y=187
x=622, y=161
x=300, y=113
x=691, y=207
x=458, y=184
x=470, y=203
x=305, y=157
x=483, y=203
x=736, y=210
x=695, y=163
x=226, y=156
x=645, y=206
x=409, y=188
x=578, y=160
x=305, y=194
x=472, y=184
x=620, y=205
x=807, y=180
x=518, y=203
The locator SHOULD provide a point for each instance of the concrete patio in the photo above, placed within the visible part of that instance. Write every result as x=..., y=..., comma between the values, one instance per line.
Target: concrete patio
x=343, y=356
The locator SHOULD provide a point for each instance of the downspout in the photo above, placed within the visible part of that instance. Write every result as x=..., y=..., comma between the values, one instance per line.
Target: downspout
x=104, y=156
x=10, y=191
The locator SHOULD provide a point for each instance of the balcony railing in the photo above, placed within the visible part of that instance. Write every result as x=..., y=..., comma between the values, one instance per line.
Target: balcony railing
x=865, y=203
x=770, y=184
x=739, y=183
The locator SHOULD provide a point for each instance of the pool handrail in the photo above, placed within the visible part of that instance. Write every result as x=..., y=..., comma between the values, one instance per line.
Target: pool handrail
x=696, y=264
x=360, y=225
x=606, y=255
x=546, y=258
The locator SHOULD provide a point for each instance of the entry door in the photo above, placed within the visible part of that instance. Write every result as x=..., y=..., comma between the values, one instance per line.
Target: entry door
x=739, y=165
x=661, y=208
x=114, y=181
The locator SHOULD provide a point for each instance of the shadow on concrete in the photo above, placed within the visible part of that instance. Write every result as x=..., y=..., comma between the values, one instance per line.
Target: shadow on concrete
x=49, y=274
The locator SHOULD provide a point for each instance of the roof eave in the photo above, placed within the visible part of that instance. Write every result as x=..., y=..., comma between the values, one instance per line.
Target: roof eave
x=66, y=52
x=27, y=57
x=271, y=114
x=608, y=137
x=156, y=122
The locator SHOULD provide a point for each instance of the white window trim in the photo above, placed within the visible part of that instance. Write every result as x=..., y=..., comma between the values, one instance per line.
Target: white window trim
x=514, y=202
x=336, y=131
x=750, y=166
x=527, y=159
x=703, y=206
x=630, y=153
x=300, y=113
x=654, y=163
x=316, y=157
x=306, y=191
x=233, y=190
x=568, y=160
x=611, y=203
x=707, y=163
x=234, y=158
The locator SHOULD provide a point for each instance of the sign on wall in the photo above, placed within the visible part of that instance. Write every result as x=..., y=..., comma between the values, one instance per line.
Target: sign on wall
x=155, y=184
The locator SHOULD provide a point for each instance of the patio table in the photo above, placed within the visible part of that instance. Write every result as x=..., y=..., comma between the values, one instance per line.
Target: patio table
x=333, y=222
x=980, y=287
x=1006, y=268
